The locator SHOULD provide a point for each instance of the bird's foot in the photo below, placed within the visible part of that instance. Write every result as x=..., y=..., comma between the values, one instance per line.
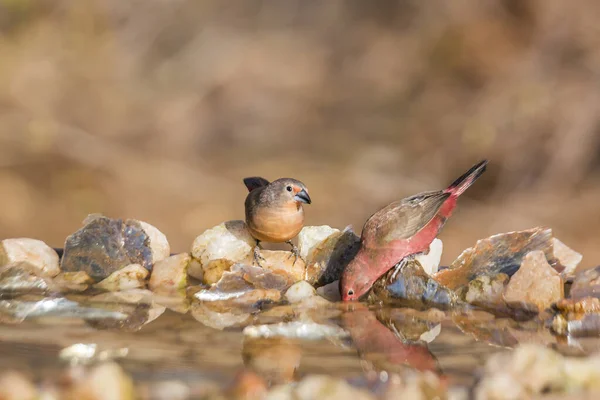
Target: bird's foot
x=257, y=256
x=400, y=265
x=294, y=252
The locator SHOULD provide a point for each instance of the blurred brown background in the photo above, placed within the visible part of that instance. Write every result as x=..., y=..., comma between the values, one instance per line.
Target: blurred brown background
x=156, y=110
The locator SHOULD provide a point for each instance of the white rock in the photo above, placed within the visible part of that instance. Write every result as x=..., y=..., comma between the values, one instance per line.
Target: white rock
x=568, y=257
x=222, y=246
x=431, y=261
x=169, y=276
x=159, y=245
x=130, y=277
x=300, y=291
x=310, y=236
x=330, y=291
x=32, y=251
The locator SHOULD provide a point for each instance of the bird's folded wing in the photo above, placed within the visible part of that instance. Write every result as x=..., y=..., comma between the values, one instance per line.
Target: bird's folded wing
x=402, y=219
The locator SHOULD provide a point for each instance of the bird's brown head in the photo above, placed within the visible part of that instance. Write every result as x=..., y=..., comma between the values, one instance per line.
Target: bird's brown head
x=288, y=189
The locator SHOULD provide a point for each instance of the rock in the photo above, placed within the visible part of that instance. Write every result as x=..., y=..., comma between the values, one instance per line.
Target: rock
x=275, y=359
x=106, y=245
x=169, y=276
x=247, y=385
x=431, y=261
x=320, y=387
x=24, y=278
x=220, y=247
x=586, y=284
x=577, y=318
x=425, y=385
x=536, y=285
x=299, y=291
x=131, y=277
x=326, y=259
x=331, y=291
x=500, y=253
x=15, y=386
x=244, y=289
x=407, y=285
x=567, y=257
x=159, y=245
x=311, y=236
x=35, y=252
x=281, y=262
x=73, y=281
x=532, y=370
x=106, y=381
x=486, y=291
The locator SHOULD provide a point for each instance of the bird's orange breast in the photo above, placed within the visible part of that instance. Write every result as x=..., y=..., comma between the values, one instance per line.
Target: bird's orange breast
x=276, y=224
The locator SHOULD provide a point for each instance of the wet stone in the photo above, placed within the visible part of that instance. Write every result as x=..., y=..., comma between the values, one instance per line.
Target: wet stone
x=320, y=387
x=327, y=258
x=502, y=253
x=586, y=284
x=169, y=276
x=131, y=277
x=430, y=261
x=281, y=262
x=486, y=291
x=245, y=288
x=300, y=291
x=532, y=370
x=578, y=318
x=274, y=359
x=535, y=286
x=331, y=291
x=568, y=258
x=218, y=248
x=105, y=245
x=311, y=236
x=23, y=278
x=408, y=285
x=103, y=382
x=35, y=252
x=73, y=281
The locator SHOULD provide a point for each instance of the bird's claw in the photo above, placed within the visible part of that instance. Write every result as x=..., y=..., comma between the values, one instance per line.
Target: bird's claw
x=293, y=252
x=257, y=256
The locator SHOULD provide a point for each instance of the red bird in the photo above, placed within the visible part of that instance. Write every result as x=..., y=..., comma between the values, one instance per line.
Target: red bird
x=401, y=229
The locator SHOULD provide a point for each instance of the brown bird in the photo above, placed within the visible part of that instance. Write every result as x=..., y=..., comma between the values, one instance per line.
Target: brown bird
x=274, y=211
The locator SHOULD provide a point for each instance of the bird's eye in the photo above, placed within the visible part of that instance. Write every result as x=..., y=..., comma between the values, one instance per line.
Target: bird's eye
x=289, y=188
x=350, y=292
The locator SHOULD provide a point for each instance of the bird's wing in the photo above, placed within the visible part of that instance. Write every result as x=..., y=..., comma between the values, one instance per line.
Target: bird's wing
x=402, y=219
x=255, y=182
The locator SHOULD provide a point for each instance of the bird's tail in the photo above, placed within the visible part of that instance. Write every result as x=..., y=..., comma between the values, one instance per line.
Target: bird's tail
x=464, y=181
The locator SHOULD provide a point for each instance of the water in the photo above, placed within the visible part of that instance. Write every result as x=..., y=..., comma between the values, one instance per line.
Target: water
x=178, y=347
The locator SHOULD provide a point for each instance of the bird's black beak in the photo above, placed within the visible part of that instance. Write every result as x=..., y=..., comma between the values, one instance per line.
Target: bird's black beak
x=302, y=196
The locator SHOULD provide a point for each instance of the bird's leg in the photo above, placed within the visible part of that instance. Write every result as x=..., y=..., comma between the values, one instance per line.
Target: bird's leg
x=294, y=252
x=257, y=256
x=398, y=267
